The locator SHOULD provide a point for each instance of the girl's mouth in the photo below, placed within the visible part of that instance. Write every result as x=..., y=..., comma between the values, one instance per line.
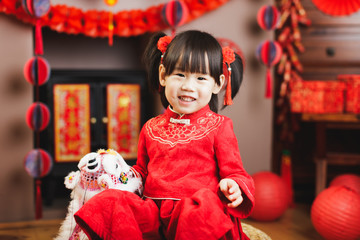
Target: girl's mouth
x=186, y=98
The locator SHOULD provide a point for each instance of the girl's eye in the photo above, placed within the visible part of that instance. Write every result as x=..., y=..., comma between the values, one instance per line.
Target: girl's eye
x=180, y=75
x=201, y=78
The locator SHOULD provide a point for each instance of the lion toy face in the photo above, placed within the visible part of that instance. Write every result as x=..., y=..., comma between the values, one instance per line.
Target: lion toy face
x=102, y=170
x=98, y=171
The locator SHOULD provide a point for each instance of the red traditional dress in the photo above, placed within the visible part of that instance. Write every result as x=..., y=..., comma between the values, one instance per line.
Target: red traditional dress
x=181, y=159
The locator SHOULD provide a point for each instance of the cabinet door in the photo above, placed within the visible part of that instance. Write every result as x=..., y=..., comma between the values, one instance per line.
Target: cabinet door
x=71, y=121
x=123, y=118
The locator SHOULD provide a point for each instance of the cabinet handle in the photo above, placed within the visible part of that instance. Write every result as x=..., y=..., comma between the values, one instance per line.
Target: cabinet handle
x=330, y=51
x=93, y=120
x=105, y=120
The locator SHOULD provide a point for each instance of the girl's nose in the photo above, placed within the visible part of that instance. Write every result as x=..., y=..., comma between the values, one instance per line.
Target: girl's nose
x=187, y=84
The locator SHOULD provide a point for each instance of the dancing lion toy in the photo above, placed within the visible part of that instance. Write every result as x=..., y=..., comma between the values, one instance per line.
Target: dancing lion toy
x=98, y=171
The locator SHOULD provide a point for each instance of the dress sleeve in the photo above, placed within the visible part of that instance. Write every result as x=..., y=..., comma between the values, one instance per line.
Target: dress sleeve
x=230, y=166
x=142, y=156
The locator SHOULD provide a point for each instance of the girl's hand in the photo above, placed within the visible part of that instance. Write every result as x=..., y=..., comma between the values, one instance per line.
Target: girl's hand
x=232, y=192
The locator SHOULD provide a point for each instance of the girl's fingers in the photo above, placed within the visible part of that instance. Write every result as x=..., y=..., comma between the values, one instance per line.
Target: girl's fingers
x=236, y=203
x=234, y=196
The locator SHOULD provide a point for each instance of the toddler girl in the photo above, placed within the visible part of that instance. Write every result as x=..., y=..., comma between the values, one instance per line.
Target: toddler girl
x=195, y=186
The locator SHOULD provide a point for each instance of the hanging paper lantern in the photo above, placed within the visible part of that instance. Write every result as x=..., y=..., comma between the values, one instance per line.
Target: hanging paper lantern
x=37, y=71
x=268, y=17
x=335, y=213
x=337, y=7
x=38, y=163
x=37, y=9
x=175, y=13
x=27, y=6
x=271, y=196
x=41, y=7
x=37, y=116
x=110, y=2
x=269, y=53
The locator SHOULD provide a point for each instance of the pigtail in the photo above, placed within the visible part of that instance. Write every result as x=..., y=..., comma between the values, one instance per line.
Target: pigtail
x=151, y=60
x=237, y=69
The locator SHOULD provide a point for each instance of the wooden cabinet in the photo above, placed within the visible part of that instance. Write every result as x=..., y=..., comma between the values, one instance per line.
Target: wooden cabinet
x=331, y=44
x=331, y=48
x=91, y=110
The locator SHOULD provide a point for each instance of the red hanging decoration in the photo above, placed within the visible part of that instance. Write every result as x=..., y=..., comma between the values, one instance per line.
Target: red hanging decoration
x=337, y=7
x=111, y=3
x=37, y=71
x=94, y=23
x=175, y=13
x=268, y=17
x=269, y=53
x=38, y=163
x=37, y=116
x=37, y=9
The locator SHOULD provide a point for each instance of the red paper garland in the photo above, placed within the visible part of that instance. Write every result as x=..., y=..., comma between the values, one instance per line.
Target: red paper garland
x=337, y=7
x=94, y=23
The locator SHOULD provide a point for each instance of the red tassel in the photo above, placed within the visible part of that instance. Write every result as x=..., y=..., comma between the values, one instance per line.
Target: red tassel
x=110, y=37
x=268, y=91
x=228, y=99
x=38, y=200
x=111, y=29
x=38, y=39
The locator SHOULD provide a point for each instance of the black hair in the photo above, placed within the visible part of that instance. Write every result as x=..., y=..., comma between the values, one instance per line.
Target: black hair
x=202, y=47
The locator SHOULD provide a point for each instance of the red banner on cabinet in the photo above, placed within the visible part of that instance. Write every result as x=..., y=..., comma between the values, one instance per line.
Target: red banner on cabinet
x=71, y=121
x=123, y=111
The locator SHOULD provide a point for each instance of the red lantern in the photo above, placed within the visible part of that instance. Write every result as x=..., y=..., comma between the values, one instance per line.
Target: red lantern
x=38, y=163
x=335, y=214
x=110, y=2
x=271, y=196
x=37, y=116
x=269, y=53
x=37, y=9
x=351, y=181
x=175, y=13
x=268, y=17
x=37, y=71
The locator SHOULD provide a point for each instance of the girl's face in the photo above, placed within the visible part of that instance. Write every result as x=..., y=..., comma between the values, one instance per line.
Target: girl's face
x=188, y=92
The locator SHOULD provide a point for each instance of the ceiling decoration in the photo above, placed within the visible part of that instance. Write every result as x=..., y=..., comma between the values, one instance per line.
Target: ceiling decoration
x=94, y=23
x=337, y=7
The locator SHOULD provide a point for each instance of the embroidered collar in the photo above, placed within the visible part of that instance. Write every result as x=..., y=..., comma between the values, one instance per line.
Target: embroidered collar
x=178, y=118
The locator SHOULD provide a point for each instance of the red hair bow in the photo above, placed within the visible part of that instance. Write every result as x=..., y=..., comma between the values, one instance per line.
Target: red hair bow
x=163, y=43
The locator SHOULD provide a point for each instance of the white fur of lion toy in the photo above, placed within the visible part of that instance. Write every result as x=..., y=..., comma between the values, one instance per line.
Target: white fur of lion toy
x=97, y=171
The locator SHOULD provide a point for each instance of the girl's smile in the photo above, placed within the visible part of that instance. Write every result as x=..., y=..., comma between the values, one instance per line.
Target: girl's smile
x=186, y=98
x=188, y=92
